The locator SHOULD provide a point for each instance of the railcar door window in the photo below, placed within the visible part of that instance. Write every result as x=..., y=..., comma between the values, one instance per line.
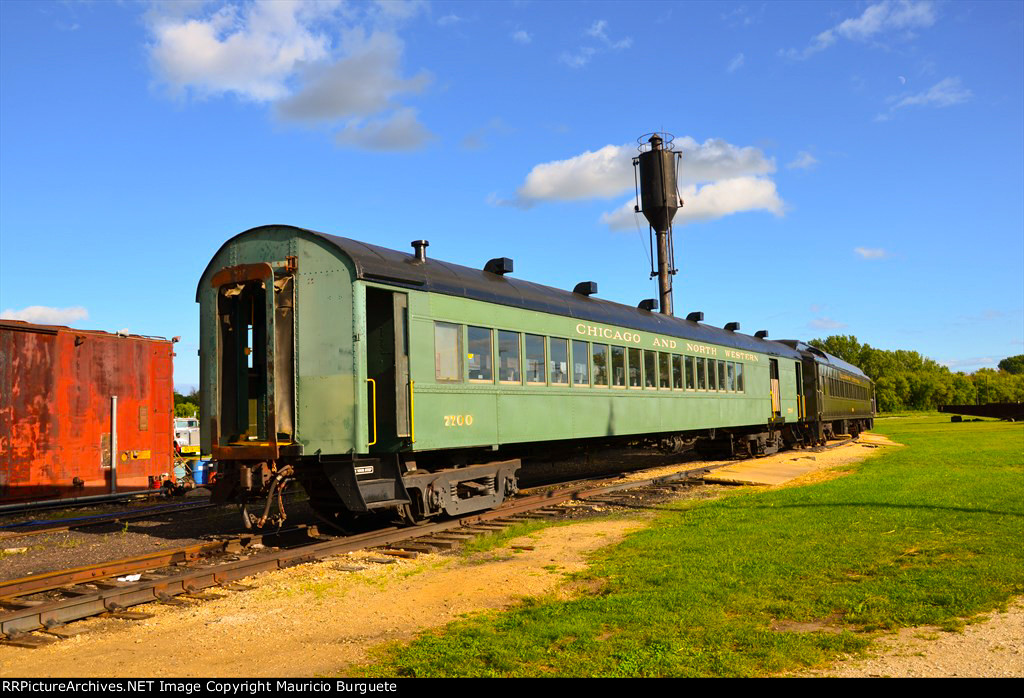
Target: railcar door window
x=508, y=357
x=618, y=367
x=558, y=351
x=635, y=368
x=702, y=381
x=580, y=363
x=600, y=364
x=650, y=370
x=480, y=354
x=535, y=359
x=447, y=352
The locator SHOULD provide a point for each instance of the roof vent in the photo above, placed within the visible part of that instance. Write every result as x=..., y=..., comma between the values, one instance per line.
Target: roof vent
x=648, y=304
x=695, y=316
x=586, y=288
x=761, y=334
x=499, y=266
x=421, y=250
x=732, y=326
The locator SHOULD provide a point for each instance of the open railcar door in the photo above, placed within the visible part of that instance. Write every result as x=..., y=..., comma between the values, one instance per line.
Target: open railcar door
x=255, y=350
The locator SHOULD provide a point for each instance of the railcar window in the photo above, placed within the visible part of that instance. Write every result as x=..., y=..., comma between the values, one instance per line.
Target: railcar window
x=600, y=364
x=721, y=375
x=447, y=352
x=691, y=379
x=618, y=366
x=508, y=357
x=678, y=371
x=650, y=370
x=731, y=376
x=580, y=363
x=558, y=351
x=635, y=368
x=481, y=353
x=664, y=372
x=739, y=378
x=534, y=353
x=712, y=374
x=702, y=381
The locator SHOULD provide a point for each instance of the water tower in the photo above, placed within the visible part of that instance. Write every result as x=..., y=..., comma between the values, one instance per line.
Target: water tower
x=658, y=199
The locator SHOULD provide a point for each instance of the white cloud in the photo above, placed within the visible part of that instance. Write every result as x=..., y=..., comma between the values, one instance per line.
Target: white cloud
x=364, y=82
x=736, y=63
x=733, y=180
x=449, y=20
x=711, y=201
x=598, y=29
x=803, y=161
x=945, y=93
x=594, y=174
x=45, y=315
x=521, y=36
x=578, y=59
x=599, y=32
x=825, y=323
x=250, y=52
x=972, y=361
x=871, y=252
x=608, y=172
x=888, y=16
x=398, y=131
x=283, y=53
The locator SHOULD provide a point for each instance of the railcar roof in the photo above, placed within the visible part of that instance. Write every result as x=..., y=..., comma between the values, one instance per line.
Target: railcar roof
x=380, y=264
x=823, y=357
x=22, y=326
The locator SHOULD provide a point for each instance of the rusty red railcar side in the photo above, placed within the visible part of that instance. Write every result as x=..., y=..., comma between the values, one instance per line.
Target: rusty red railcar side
x=57, y=386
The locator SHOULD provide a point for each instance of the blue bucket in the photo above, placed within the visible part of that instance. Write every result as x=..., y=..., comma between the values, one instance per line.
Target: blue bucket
x=199, y=472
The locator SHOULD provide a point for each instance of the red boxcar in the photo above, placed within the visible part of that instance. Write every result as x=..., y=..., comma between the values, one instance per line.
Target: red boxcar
x=57, y=386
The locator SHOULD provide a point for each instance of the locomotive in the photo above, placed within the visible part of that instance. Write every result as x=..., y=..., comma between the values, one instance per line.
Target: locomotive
x=392, y=382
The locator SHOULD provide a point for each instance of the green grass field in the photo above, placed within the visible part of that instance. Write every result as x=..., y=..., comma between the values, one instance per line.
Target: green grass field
x=927, y=534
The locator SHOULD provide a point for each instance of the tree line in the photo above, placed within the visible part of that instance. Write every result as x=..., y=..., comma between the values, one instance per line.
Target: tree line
x=905, y=380
x=186, y=404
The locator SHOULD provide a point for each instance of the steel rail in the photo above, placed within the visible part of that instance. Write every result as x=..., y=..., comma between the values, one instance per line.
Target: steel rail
x=30, y=528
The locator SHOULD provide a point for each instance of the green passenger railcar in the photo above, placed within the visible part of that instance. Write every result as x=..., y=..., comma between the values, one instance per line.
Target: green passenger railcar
x=385, y=380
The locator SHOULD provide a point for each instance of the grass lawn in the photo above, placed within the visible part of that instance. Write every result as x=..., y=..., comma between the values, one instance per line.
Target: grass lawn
x=927, y=534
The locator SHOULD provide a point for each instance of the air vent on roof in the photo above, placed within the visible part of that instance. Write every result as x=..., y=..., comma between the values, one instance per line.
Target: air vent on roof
x=695, y=316
x=586, y=288
x=499, y=265
x=649, y=304
x=421, y=249
x=761, y=334
x=732, y=326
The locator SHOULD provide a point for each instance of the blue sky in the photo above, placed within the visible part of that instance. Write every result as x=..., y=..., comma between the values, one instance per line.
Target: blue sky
x=848, y=167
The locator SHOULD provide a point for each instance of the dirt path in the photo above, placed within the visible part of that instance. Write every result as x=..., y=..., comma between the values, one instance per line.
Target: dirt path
x=988, y=649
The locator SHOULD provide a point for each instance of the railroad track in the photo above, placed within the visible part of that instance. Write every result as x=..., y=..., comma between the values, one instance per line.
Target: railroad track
x=30, y=528
x=47, y=602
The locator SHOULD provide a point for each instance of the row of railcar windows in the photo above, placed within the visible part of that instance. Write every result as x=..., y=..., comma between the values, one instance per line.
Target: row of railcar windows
x=522, y=358
x=841, y=386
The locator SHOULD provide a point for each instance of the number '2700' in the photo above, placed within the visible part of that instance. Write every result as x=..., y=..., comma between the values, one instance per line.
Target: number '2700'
x=458, y=420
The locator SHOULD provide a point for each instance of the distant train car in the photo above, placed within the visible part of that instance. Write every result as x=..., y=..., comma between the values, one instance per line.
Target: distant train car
x=59, y=436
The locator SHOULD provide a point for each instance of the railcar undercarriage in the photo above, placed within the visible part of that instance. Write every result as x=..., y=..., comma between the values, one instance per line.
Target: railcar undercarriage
x=416, y=487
